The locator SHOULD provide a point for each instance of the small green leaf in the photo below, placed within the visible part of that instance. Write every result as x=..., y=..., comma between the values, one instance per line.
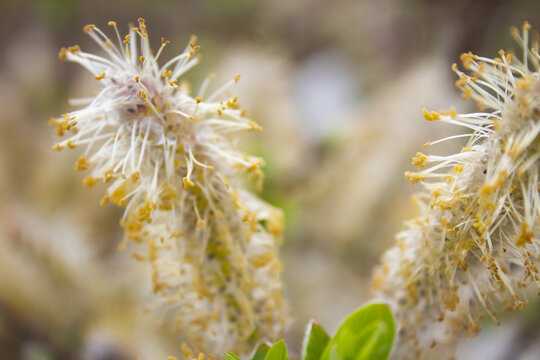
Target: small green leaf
x=231, y=356
x=366, y=334
x=315, y=342
x=278, y=351
x=260, y=352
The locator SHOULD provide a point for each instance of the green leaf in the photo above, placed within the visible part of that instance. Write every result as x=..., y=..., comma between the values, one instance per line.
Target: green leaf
x=231, y=356
x=315, y=342
x=260, y=352
x=278, y=351
x=366, y=334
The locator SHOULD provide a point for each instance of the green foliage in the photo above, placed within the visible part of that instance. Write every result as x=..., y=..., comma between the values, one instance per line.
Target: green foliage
x=277, y=352
x=315, y=342
x=366, y=334
x=231, y=356
x=260, y=352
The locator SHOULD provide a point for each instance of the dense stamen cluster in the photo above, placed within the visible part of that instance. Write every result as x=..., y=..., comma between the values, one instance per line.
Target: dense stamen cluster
x=475, y=248
x=167, y=158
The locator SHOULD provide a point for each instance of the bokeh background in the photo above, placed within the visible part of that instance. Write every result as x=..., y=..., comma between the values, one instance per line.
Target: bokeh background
x=338, y=87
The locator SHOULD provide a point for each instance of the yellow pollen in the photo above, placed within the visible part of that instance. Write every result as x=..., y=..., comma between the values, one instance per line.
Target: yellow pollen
x=57, y=147
x=74, y=49
x=62, y=55
x=514, y=31
x=419, y=160
x=82, y=163
x=89, y=181
x=413, y=177
x=188, y=183
x=431, y=116
x=201, y=224
x=88, y=28
x=101, y=76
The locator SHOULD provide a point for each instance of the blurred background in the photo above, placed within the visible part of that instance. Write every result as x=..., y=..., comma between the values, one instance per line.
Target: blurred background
x=338, y=87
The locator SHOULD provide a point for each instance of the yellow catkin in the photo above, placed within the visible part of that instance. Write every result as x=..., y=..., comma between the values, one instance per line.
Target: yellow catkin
x=181, y=185
x=475, y=244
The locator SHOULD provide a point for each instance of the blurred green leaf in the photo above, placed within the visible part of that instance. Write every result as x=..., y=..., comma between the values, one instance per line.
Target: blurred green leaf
x=231, y=356
x=277, y=352
x=260, y=352
x=367, y=334
x=315, y=342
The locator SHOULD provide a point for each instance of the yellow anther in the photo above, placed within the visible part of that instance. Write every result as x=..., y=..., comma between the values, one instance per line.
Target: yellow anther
x=108, y=175
x=188, y=183
x=89, y=28
x=201, y=224
x=431, y=116
x=467, y=92
x=414, y=177
x=89, y=181
x=486, y=190
x=140, y=20
x=111, y=23
x=254, y=126
x=101, y=76
x=135, y=176
x=82, y=163
x=126, y=39
x=74, y=49
x=137, y=257
x=514, y=31
x=524, y=83
x=525, y=235
x=104, y=200
x=198, y=100
x=419, y=160
x=142, y=58
x=237, y=78
x=57, y=147
x=62, y=55
x=526, y=26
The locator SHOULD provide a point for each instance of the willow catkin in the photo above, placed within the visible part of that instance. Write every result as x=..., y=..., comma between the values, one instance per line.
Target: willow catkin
x=167, y=158
x=474, y=249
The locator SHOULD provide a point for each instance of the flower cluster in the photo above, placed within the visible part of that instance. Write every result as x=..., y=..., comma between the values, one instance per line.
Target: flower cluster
x=474, y=249
x=168, y=158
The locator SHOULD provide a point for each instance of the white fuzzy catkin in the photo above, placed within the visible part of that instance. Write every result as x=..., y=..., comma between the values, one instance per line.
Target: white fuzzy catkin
x=474, y=249
x=168, y=159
